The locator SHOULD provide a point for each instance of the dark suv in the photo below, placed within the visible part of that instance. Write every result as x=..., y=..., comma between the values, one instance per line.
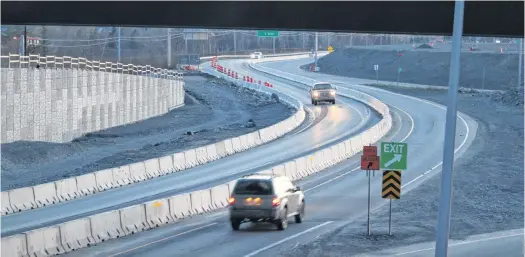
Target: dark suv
x=265, y=198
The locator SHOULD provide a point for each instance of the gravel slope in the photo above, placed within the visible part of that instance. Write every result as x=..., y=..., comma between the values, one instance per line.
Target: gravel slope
x=424, y=66
x=488, y=188
x=214, y=111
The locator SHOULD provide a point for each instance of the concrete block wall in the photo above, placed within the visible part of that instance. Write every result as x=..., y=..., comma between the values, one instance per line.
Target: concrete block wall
x=59, y=104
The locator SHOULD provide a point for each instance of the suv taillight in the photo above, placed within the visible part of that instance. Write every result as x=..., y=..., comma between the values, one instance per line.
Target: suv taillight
x=231, y=200
x=276, y=201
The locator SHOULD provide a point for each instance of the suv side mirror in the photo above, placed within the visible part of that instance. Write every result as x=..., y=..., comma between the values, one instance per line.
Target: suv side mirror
x=335, y=87
x=297, y=188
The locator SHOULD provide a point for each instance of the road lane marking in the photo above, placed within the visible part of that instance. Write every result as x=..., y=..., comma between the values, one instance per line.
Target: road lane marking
x=462, y=243
x=163, y=239
x=286, y=239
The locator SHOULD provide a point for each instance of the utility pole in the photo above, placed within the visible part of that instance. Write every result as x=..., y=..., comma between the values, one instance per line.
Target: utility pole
x=118, y=44
x=169, y=48
x=315, y=51
x=445, y=198
x=273, y=45
x=25, y=41
x=303, y=41
x=186, y=42
x=520, y=65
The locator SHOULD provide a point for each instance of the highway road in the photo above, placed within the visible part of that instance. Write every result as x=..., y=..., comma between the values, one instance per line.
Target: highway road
x=334, y=197
x=505, y=243
x=327, y=125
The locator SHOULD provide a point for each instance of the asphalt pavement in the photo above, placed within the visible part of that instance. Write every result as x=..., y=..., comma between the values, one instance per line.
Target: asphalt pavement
x=334, y=197
x=329, y=125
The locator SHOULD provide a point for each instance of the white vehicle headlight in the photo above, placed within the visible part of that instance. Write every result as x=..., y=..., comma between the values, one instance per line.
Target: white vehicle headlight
x=316, y=94
x=332, y=92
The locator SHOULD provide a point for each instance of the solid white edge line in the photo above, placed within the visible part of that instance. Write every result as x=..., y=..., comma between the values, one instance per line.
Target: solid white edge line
x=461, y=243
x=286, y=239
x=163, y=239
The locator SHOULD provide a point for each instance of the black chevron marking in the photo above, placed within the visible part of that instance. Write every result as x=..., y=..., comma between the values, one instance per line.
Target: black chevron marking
x=386, y=179
x=391, y=186
x=387, y=195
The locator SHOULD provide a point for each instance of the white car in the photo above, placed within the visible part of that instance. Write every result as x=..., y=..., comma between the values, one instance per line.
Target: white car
x=256, y=55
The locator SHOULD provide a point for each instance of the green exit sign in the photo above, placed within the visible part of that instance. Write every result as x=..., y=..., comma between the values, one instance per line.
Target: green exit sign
x=267, y=33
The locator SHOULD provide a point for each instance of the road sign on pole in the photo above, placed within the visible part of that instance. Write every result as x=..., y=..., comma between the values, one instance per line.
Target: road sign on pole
x=267, y=33
x=376, y=67
x=369, y=162
x=391, y=189
x=330, y=49
x=394, y=155
x=391, y=184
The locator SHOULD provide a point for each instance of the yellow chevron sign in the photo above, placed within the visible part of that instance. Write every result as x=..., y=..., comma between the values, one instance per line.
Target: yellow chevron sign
x=391, y=184
x=330, y=49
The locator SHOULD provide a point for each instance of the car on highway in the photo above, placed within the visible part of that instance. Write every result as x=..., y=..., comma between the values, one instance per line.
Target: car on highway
x=323, y=92
x=265, y=198
x=256, y=55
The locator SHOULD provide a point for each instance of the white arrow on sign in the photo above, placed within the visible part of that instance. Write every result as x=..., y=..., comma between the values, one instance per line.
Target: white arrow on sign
x=397, y=158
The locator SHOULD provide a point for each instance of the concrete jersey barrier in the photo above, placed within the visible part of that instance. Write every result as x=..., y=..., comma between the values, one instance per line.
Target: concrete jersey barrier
x=157, y=213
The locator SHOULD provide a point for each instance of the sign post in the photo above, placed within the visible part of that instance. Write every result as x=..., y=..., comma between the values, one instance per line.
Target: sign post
x=391, y=190
x=369, y=162
x=376, y=68
x=267, y=33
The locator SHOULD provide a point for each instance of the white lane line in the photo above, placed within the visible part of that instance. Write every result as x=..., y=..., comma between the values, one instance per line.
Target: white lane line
x=462, y=243
x=286, y=239
x=163, y=239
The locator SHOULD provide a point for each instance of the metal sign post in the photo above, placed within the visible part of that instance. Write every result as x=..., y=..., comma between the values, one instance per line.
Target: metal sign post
x=368, y=220
x=391, y=189
x=445, y=199
x=390, y=219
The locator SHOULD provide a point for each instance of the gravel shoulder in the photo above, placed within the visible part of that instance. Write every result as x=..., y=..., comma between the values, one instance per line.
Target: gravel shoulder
x=488, y=186
x=214, y=110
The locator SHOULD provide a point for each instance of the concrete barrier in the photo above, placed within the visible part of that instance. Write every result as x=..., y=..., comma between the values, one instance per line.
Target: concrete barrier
x=45, y=194
x=180, y=206
x=166, y=164
x=179, y=162
x=22, y=199
x=201, y=155
x=211, y=151
x=104, y=179
x=152, y=168
x=236, y=143
x=201, y=201
x=191, y=158
x=133, y=219
x=138, y=172
x=279, y=170
x=228, y=143
x=106, y=226
x=158, y=212
x=86, y=184
x=44, y=242
x=76, y=234
x=122, y=175
x=66, y=189
x=219, y=196
x=14, y=246
x=290, y=168
x=220, y=147
x=6, y=204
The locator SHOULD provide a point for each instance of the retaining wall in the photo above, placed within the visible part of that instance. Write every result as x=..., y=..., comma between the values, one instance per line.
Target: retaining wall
x=60, y=104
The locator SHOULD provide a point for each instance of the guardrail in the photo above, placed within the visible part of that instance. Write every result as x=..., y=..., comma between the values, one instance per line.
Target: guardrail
x=38, y=196
x=91, y=230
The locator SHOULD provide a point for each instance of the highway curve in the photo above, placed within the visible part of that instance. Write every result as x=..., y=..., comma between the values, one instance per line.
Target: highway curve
x=334, y=197
x=327, y=125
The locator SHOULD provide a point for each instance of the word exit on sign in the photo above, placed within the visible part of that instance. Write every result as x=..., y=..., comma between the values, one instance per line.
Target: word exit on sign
x=394, y=155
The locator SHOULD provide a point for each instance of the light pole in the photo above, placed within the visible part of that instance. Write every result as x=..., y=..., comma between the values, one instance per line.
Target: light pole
x=315, y=51
x=169, y=48
x=445, y=199
x=520, y=65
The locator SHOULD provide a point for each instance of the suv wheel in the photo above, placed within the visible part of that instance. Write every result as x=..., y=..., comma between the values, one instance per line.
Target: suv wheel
x=282, y=223
x=299, y=217
x=235, y=224
x=333, y=101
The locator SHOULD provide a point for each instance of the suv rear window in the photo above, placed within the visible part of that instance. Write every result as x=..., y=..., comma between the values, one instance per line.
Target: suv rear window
x=253, y=187
x=323, y=86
